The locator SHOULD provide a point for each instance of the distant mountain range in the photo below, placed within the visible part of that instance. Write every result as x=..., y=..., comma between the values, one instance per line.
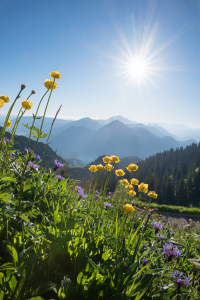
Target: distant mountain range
x=86, y=139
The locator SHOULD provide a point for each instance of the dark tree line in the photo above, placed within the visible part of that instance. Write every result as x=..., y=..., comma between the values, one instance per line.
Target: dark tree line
x=174, y=175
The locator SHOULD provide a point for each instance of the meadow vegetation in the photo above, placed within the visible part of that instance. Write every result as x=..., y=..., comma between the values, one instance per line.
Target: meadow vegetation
x=60, y=241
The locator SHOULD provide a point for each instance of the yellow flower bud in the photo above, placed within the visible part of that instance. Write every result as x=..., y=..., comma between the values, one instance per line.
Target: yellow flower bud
x=132, y=193
x=4, y=98
x=134, y=181
x=49, y=84
x=9, y=123
x=114, y=159
x=109, y=167
x=152, y=195
x=128, y=208
x=100, y=168
x=107, y=159
x=55, y=74
x=143, y=188
x=27, y=104
x=132, y=167
x=1, y=102
x=119, y=172
x=93, y=168
x=129, y=187
x=124, y=182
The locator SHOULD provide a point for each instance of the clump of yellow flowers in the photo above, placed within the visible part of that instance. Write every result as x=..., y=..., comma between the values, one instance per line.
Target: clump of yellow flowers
x=129, y=186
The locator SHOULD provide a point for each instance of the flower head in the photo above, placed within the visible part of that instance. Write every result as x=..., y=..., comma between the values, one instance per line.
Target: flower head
x=32, y=92
x=152, y=195
x=107, y=159
x=124, y=182
x=57, y=164
x=6, y=140
x=1, y=102
x=143, y=188
x=93, y=168
x=132, y=167
x=180, y=279
x=115, y=159
x=100, y=168
x=128, y=208
x=32, y=166
x=55, y=74
x=171, y=251
x=23, y=86
x=119, y=172
x=50, y=84
x=107, y=205
x=4, y=98
x=145, y=261
x=132, y=193
x=9, y=123
x=27, y=104
x=134, y=181
x=60, y=177
x=129, y=187
x=109, y=167
x=157, y=226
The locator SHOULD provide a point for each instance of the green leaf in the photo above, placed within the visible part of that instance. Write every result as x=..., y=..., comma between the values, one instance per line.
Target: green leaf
x=5, y=197
x=56, y=217
x=25, y=218
x=14, y=254
x=26, y=126
x=7, y=266
x=8, y=179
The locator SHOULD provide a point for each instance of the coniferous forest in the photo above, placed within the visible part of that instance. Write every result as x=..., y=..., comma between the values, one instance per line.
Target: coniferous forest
x=173, y=174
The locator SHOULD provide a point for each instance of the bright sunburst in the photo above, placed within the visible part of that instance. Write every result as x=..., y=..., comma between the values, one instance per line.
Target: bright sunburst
x=136, y=69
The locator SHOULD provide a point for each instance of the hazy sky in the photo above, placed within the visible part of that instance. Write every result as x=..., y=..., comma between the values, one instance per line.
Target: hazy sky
x=136, y=58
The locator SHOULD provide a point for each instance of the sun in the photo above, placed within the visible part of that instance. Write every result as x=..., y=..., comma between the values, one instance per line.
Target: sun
x=137, y=68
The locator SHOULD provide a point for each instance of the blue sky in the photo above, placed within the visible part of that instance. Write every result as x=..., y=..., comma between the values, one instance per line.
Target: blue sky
x=92, y=43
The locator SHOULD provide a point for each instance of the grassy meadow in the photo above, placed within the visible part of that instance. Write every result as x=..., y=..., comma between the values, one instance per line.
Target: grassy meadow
x=62, y=240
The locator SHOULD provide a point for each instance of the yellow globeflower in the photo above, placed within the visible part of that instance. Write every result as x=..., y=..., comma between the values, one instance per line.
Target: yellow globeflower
x=49, y=84
x=124, y=182
x=100, y=168
x=93, y=168
x=1, y=102
x=27, y=104
x=115, y=159
x=129, y=187
x=128, y=208
x=55, y=74
x=190, y=220
x=134, y=181
x=132, y=193
x=4, y=98
x=143, y=188
x=109, y=167
x=9, y=123
x=132, y=167
x=144, y=207
x=152, y=195
x=197, y=221
x=107, y=159
x=119, y=172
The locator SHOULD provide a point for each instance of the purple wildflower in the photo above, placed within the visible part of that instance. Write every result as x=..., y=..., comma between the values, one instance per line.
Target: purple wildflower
x=187, y=236
x=60, y=177
x=145, y=261
x=97, y=192
x=32, y=166
x=107, y=205
x=180, y=279
x=36, y=156
x=58, y=165
x=157, y=226
x=171, y=251
x=110, y=193
x=108, y=197
x=160, y=235
x=6, y=140
x=173, y=233
x=80, y=192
